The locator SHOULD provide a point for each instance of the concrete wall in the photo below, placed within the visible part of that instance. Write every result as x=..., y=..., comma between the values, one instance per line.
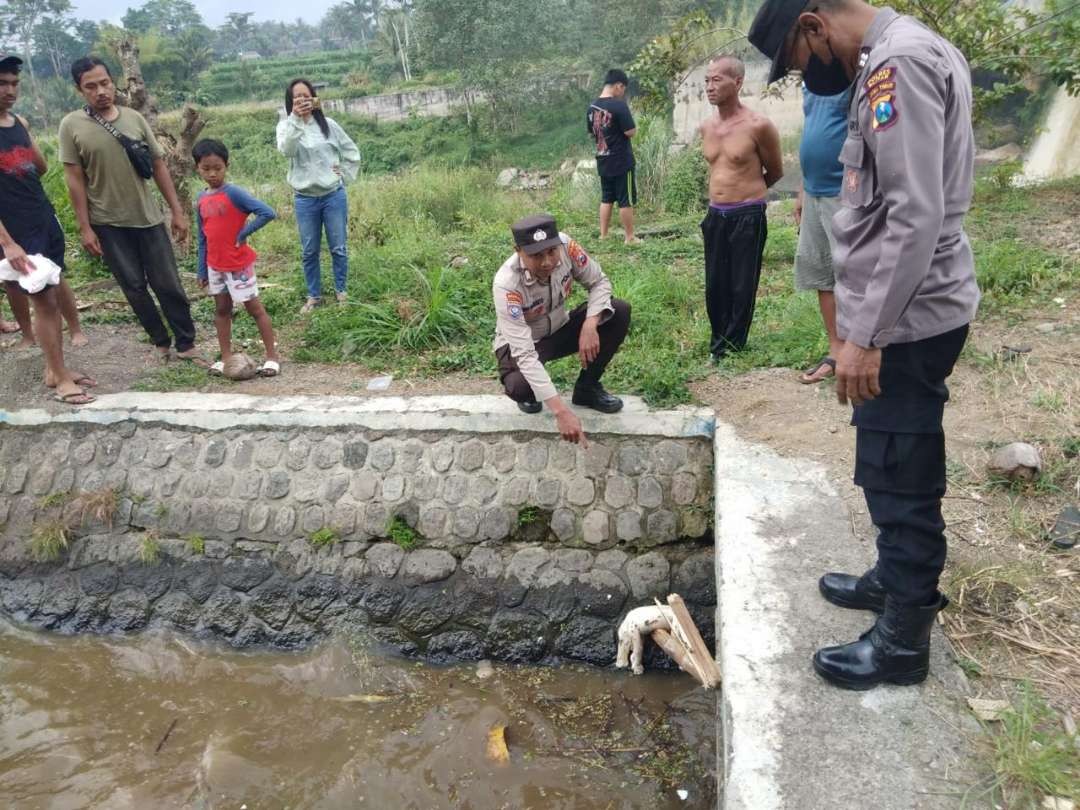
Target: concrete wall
x=516, y=533
x=439, y=102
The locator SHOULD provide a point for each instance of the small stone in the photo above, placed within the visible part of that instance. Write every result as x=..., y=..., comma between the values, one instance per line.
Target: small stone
x=574, y=560
x=243, y=453
x=258, y=517
x=41, y=480
x=442, y=456
x=683, y=488
x=695, y=522
x=214, y=455
x=429, y=565
x=84, y=453
x=503, y=456
x=597, y=459
x=384, y=559
x=619, y=491
x=169, y=482
x=297, y=455
x=580, y=491
x=602, y=593
x=633, y=460
x=466, y=522
x=470, y=455
x=307, y=489
x=628, y=525
x=364, y=484
x=376, y=519
x=649, y=575
x=269, y=453
x=129, y=610
x=335, y=487
x=595, y=528
x=248, y=486
x=433, y=521
x=328, y=453
x=483, y=563
x=277, y=484
x=533, y=456
x=661, y=527
x=564, y=524
x=548, y=491
x=393, y=488
x=516, y=491
x=230, y=515
x=526, y=564
x=221, y=482
x=312, y=519
x=244, y=573
x=695, y=579
x=1046, y=328
x=15, y=479
x=455, y=488
x=381, y=455
x=343, y=519
x=284, y=521
x=425, y=487
x=495, y=525
x=650, y=492
x=611, y=560
x=668, y=456
x=1016, y=461
x=356, y=452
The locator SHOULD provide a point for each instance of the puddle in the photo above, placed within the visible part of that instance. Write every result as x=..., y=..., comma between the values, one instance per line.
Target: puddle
x=158, y=721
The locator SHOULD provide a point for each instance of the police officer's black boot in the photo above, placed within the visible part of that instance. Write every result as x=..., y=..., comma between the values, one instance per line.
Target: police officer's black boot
x=859, y=593
x=591, y=394
x=895, y=650
x=530, y=406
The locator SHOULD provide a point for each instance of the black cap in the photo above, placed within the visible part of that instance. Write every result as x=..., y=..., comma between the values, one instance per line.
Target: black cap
x=10, y=60
x=770, y=28
x=536, y=233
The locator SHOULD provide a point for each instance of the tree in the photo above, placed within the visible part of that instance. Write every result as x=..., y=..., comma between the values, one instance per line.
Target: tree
x=170, y=17
x=238, y=28
x=21, y=17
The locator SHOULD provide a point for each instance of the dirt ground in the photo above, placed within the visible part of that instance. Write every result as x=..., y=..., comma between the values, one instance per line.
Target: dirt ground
x=1016, y=612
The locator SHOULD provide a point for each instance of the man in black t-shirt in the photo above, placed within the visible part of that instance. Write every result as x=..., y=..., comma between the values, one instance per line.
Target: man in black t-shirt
x=611, y=126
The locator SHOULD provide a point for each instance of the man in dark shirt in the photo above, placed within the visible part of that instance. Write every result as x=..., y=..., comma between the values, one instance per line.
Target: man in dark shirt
x=611, y=126
x=28, y=227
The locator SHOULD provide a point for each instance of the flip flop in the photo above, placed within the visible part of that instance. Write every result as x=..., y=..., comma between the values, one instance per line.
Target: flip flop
x=217, y=369
x=74, y=398
x=824, y=361
x=9, y=328
x=270, y=368
x=85, y=381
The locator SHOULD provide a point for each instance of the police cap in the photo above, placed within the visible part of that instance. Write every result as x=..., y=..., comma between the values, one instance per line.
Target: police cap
x=536, y=233
x=770, y=28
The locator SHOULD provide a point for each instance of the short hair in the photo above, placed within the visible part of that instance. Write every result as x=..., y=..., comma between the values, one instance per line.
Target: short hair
x=207, y=147
x=85, y=65
x=11, y=65
x=616, y=76
x=737, y=69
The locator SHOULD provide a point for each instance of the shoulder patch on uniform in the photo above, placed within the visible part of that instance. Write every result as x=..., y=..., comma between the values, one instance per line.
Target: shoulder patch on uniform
x=577, y=254
x=881, y=94
x=513, y=305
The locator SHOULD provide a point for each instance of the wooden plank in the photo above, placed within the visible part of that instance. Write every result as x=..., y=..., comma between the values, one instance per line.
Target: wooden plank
x=711, y=676
x=677, y=652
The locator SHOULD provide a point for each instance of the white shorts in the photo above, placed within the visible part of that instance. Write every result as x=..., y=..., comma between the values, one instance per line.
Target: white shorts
x=240, y=283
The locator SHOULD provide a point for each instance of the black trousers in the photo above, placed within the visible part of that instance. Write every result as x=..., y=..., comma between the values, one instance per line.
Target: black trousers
x=900, y=463
x=734, y=246
x=563, y=343
x=142, y=258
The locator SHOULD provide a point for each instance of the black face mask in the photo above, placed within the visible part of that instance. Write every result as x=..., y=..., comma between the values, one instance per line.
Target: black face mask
x=825, y=79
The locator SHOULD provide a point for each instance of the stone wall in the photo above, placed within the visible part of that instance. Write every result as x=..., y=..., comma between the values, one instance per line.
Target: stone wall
x=494, y=515
x=438, y=102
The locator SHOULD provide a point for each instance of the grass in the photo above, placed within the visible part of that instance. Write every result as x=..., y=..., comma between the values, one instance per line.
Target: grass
x=98, y=506
x=150, y=549
x=527, y=516
x=49, y=538
x=196, y=543
x=324, y=537
x=1033, y=756
x=52, y=500
x=402, y=533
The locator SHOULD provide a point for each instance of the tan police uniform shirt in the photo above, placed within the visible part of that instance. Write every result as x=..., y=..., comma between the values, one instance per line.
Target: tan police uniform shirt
x=904, y=268
x=527, y=310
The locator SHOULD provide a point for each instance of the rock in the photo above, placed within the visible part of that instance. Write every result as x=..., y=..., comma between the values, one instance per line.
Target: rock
x=587, y=639
x=429, y=565
x=695, y=580
x=314, y=593
x=198, y=580
x=178, y=609
x=1046, y=328
x=129, y=610
x=649, y=576
x=381, y=600
x=459, y=261
x=602, y=593
x=460, y=645
x=384, y=559
x=425, y=610
x=244, y=573
x=507, y=177
x=516, y=637
x=272, y=602
x=240, y=367
x=1003, y=154
x=1018, y=461
x=223, y=613
x=1066, y=531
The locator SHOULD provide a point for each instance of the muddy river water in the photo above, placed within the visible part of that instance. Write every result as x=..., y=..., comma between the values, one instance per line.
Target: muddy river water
x=159, y=721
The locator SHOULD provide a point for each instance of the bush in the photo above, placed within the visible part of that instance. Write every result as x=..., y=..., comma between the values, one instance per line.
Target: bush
x=687, y=187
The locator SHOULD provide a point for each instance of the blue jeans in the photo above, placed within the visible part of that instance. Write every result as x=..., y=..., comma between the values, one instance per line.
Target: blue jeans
x=312, y=215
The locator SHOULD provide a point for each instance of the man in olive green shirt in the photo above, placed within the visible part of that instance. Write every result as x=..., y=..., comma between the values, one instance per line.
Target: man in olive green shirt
x=118, y=217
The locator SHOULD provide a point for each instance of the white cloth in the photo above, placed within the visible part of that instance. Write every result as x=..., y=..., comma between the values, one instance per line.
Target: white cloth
x=45, y=273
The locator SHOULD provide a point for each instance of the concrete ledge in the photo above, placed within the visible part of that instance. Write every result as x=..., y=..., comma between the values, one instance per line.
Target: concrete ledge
x=788, y=739
x=467, y=414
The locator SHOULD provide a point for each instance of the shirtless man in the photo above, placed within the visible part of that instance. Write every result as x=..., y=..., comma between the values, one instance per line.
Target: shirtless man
x=742, y=148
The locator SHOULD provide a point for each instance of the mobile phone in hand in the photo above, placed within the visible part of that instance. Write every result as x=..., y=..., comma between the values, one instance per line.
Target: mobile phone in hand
x=316, y=104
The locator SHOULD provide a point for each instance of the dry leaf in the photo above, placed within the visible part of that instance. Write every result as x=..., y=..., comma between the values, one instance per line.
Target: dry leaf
x=497, y=751
x=364, y=698
x=986, y=709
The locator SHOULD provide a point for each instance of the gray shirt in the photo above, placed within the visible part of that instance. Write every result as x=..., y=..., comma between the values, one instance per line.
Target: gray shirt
x=904, y=269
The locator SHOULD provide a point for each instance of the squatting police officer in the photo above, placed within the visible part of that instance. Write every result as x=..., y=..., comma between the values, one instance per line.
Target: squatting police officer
x=905, y=294
x=532, y=325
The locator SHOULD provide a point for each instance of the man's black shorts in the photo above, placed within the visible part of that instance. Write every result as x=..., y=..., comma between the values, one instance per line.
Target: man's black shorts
x=622, y=188
x=47, y=240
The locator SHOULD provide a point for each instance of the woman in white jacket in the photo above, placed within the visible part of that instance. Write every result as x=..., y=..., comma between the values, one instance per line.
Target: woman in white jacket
x=321, y=158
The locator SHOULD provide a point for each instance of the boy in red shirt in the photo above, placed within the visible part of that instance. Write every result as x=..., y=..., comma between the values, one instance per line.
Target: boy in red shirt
x=226, y=262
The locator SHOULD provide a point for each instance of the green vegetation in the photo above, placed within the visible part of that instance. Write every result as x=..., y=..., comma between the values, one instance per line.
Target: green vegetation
x=324, y=537
x=196, y=543
x=53, y=500
x=150, y=549
x=527, y=516
x=98, y=505
x=49, y=538
x=402, y=533
x=266, y=78
x=1033, y=755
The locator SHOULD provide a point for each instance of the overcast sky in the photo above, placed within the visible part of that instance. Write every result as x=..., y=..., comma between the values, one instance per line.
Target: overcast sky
x=212, y=11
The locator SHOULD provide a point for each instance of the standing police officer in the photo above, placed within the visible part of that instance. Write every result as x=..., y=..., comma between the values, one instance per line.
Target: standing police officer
x=532, y=325
x=905, y=294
